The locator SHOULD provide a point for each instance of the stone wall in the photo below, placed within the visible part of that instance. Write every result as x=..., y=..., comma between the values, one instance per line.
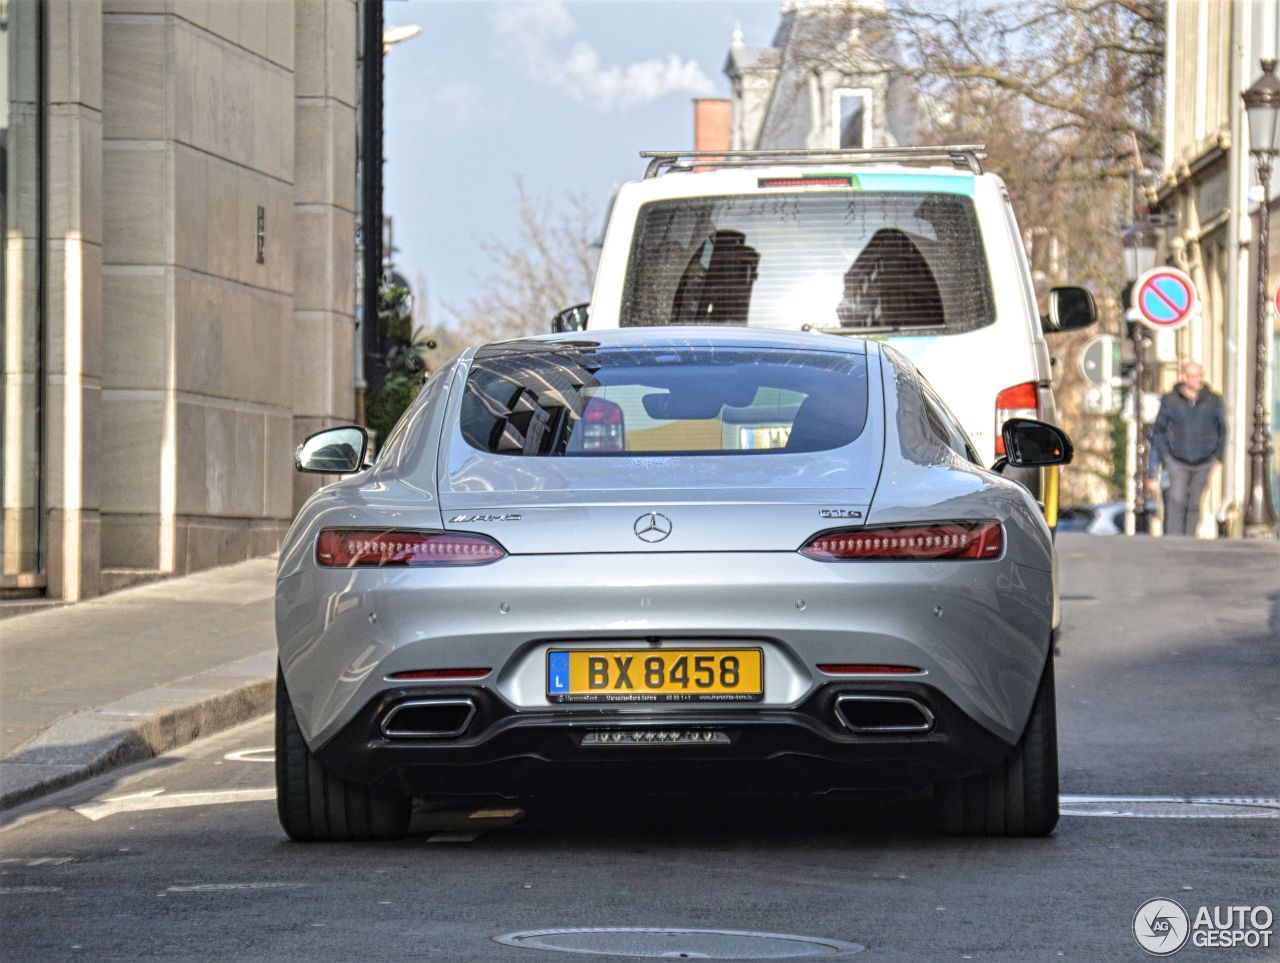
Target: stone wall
x=201, y=270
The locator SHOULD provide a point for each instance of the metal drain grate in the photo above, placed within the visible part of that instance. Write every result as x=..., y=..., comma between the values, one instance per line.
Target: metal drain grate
x=673, y=943
x=1172, y=807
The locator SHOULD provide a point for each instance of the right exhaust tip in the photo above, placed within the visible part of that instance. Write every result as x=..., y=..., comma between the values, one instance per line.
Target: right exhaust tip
x=883, y=715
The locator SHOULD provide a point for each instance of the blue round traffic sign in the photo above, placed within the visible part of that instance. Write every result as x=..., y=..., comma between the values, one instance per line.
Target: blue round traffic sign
x=1165, y=298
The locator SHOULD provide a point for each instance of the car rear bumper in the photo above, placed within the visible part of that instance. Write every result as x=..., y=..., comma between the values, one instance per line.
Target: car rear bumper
x=978, y=631
x=810, y=747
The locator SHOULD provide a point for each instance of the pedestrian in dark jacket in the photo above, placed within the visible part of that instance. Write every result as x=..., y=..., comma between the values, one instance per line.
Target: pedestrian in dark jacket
x=1189, y=436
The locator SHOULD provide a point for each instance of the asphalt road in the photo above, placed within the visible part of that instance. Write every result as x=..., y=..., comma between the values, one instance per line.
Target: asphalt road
x=1169, y=685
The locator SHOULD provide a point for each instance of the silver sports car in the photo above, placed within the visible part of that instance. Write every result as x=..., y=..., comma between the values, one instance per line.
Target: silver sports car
x=671, y=560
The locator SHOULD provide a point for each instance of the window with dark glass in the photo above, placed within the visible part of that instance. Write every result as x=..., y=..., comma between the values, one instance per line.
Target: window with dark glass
x=852, y=117
x=841, y=260
x=529, y=398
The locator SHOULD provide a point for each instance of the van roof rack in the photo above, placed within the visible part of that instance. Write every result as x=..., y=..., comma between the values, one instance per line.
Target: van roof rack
x=965, y=156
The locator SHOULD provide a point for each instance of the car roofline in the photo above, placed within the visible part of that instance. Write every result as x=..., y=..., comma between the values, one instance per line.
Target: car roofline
x=674, y=336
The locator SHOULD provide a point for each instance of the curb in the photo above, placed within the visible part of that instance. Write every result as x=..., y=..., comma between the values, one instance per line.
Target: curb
x=138, y=727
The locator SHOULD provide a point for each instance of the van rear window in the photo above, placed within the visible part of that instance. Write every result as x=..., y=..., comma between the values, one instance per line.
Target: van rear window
x=846, y=261
x=537, y=398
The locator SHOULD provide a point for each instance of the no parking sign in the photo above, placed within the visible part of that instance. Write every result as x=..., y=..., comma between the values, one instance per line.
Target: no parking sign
x=1164, y=298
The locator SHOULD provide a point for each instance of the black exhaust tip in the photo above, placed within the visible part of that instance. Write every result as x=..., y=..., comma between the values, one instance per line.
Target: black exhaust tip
x=876, y=714
x=428, y=719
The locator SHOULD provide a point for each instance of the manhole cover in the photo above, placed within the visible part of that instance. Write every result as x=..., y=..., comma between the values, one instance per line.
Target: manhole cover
x=670, y=943
x=1172, y=807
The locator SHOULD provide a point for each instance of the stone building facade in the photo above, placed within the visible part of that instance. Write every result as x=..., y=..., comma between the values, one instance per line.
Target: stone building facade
x=179, y=231
x=826, y=80
x=1210, y=197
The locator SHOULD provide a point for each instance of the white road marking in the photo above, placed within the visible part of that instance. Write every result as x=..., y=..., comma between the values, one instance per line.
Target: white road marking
x=1172, y=807
x=27, y=890
x=223, y=887
x=153, y=799
x=454, y=837
x=497, y=814
x=38, y=860
x=1149, y=807
x=263, y=754
x=19, y=821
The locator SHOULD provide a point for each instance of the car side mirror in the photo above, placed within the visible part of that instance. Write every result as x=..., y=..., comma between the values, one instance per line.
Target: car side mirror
x=571, y=319
x=334, y=451
x=1030, y=444
x=1070, y=309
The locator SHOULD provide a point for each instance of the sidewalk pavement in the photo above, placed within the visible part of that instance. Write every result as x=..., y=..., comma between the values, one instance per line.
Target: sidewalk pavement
x=129, y=675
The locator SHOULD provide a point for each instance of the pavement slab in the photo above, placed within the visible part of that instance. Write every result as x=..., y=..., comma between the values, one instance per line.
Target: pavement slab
x=111, y=680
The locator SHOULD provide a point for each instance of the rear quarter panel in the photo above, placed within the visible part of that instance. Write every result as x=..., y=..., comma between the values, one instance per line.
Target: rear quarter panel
x=922, y=479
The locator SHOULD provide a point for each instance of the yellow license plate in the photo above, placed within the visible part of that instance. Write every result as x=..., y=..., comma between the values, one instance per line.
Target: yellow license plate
x=655, y=675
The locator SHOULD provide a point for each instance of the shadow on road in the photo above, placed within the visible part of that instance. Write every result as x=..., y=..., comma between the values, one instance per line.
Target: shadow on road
x=630, y=820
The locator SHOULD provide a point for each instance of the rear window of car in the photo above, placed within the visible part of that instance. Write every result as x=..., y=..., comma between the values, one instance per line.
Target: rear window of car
x=584, y=400
x=896, y=261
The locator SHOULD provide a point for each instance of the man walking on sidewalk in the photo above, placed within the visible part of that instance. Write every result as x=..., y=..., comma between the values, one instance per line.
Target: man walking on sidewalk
x=1189, y=436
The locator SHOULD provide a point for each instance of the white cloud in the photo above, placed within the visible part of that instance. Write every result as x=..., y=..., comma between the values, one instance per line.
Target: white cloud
x=449, y=106
x=543, y=20
x=539, y=33
x=457, y=101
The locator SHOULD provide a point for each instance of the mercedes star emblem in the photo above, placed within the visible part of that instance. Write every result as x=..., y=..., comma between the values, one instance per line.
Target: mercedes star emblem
x=652, y=527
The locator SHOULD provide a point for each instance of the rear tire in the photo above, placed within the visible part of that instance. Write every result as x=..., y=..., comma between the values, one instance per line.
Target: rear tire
x=1020, y=796
x=314, y=804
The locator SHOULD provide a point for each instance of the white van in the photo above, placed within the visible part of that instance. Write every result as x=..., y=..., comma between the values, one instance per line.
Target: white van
x=856, y=242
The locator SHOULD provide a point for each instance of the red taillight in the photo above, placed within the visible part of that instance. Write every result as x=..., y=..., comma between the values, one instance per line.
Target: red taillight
x=943, y=540
x=1020, y=401
x=441, y=674
x=866, y=668
x=603, y=426
x=351, y=548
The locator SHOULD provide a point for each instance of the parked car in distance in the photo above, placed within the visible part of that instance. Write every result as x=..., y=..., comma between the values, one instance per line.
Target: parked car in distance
x=669, y=560
x=1105, y=519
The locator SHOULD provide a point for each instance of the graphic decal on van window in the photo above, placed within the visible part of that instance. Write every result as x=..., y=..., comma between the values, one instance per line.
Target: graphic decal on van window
x=962, y=184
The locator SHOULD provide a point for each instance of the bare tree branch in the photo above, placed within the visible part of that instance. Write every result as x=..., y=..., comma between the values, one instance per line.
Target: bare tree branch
x=548, y=267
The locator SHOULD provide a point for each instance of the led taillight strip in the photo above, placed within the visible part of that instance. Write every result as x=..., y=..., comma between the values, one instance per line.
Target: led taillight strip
x=941, y=540
x=361, y=548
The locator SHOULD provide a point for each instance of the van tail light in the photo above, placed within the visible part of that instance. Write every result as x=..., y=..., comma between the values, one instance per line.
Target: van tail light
x=363, y=548
x=1020, y=401
x=940, y=540
x=603, y=427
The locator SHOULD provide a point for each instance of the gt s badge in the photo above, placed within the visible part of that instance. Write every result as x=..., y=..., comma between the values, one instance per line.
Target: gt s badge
x=839, y=513
x=462, y=519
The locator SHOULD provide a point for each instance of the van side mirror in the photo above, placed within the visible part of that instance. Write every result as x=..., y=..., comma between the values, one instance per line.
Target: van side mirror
x=334, y=451
x=1030, y=444
x=571, y=319
x=1070, y=309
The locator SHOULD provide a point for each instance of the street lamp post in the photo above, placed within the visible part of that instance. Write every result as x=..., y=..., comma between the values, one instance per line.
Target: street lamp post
x=1139, y=242
x=375, y=41
x=369, y=264
x=1262, y=104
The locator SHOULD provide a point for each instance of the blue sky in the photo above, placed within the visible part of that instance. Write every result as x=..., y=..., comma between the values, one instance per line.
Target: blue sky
x=563, y=94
